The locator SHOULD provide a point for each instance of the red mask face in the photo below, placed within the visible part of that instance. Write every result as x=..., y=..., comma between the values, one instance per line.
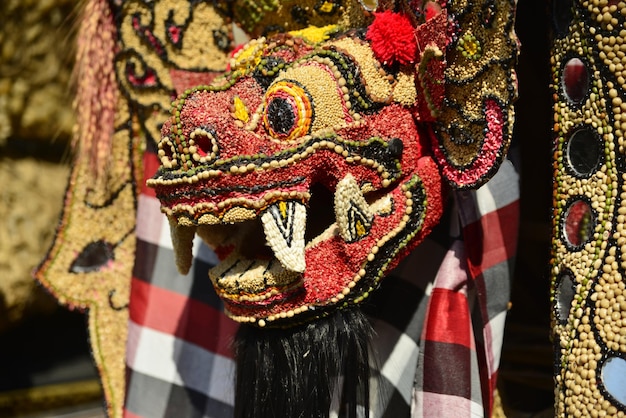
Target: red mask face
x=305, y=170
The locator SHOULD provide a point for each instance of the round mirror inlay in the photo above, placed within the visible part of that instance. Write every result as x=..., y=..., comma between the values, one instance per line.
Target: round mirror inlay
x=575, y=80
x=564, y=296
x=578, y=223
x=583, y=152
x=613, y=378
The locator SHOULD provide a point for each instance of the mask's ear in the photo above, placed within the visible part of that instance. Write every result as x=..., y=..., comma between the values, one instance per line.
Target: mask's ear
x=463, y=54
x=475, y=119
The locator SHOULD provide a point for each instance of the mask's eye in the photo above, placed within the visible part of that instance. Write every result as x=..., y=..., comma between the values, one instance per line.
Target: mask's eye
x=287, y=112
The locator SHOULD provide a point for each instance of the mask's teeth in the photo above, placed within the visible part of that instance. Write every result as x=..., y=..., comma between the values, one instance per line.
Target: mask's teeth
x=284, y=224
x=182, y=239
x=354, y=216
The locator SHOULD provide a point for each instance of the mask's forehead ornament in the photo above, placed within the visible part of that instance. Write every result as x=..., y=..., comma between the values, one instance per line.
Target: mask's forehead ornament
x=307, y=168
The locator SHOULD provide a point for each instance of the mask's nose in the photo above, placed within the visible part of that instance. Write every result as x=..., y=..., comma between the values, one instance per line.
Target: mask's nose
x=179, y=151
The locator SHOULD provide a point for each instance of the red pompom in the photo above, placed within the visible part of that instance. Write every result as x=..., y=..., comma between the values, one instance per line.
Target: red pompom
x=392, y=37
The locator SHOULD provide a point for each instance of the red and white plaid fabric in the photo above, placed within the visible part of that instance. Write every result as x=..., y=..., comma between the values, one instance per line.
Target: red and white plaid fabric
x=439, y=317
x=464, y=325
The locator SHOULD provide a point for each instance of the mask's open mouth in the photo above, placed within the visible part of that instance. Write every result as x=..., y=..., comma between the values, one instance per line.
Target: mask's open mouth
x=301, y=231
x=264, y=258
x=306, y=249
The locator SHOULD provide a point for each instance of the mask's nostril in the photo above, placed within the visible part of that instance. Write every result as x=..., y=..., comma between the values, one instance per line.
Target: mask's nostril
x=167, y=153
x=168, y=149
x=203, y=144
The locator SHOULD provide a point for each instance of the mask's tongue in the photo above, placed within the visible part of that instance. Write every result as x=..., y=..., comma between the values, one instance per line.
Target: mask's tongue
x=284, y=224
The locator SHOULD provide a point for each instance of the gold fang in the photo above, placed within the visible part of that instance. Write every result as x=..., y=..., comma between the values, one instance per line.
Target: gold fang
x=360, y=229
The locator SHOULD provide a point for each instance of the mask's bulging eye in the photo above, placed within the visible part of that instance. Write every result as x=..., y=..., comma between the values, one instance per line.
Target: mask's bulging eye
x=281, y=116
x=287, y=112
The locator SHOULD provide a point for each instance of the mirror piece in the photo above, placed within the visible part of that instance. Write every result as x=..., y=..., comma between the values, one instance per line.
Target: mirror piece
x=613, y=378
x=575, y=80
x=565, y=292
x=579, y=223
x=583, y=152
x=369, y=5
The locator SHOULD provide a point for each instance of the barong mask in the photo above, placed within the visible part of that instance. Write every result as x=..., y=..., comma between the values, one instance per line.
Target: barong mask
x=304, y=169
x=308, y=167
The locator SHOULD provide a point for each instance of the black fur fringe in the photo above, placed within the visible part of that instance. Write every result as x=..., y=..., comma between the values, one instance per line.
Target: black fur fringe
x=294, y=372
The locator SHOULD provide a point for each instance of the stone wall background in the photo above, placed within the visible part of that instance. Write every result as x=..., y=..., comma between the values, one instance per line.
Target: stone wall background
x=36, y=41
x=36, y=118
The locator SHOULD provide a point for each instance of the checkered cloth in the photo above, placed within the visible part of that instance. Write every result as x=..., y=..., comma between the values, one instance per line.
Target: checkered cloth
x=439, y=317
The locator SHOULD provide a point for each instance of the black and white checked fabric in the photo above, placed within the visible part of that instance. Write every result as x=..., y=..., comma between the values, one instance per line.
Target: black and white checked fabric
x=179, y=361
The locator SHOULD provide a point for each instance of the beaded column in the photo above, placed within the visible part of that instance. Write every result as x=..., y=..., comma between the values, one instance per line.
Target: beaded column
x=589, y=240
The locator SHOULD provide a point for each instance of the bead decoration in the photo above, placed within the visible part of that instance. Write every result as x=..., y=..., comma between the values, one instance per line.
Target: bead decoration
x=469, y=46
x=152, y=65
x=240, y=111
x=287, y=111
x=132, y=57
x=480, y=87
x=284, y=224
x=327, y=7
x=273, y=16
x=322, y=107
x=89, y=266
x=353, y=214
x=589, y=240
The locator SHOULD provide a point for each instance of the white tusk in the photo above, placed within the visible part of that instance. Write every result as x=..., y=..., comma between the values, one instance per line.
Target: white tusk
x=284, y=224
